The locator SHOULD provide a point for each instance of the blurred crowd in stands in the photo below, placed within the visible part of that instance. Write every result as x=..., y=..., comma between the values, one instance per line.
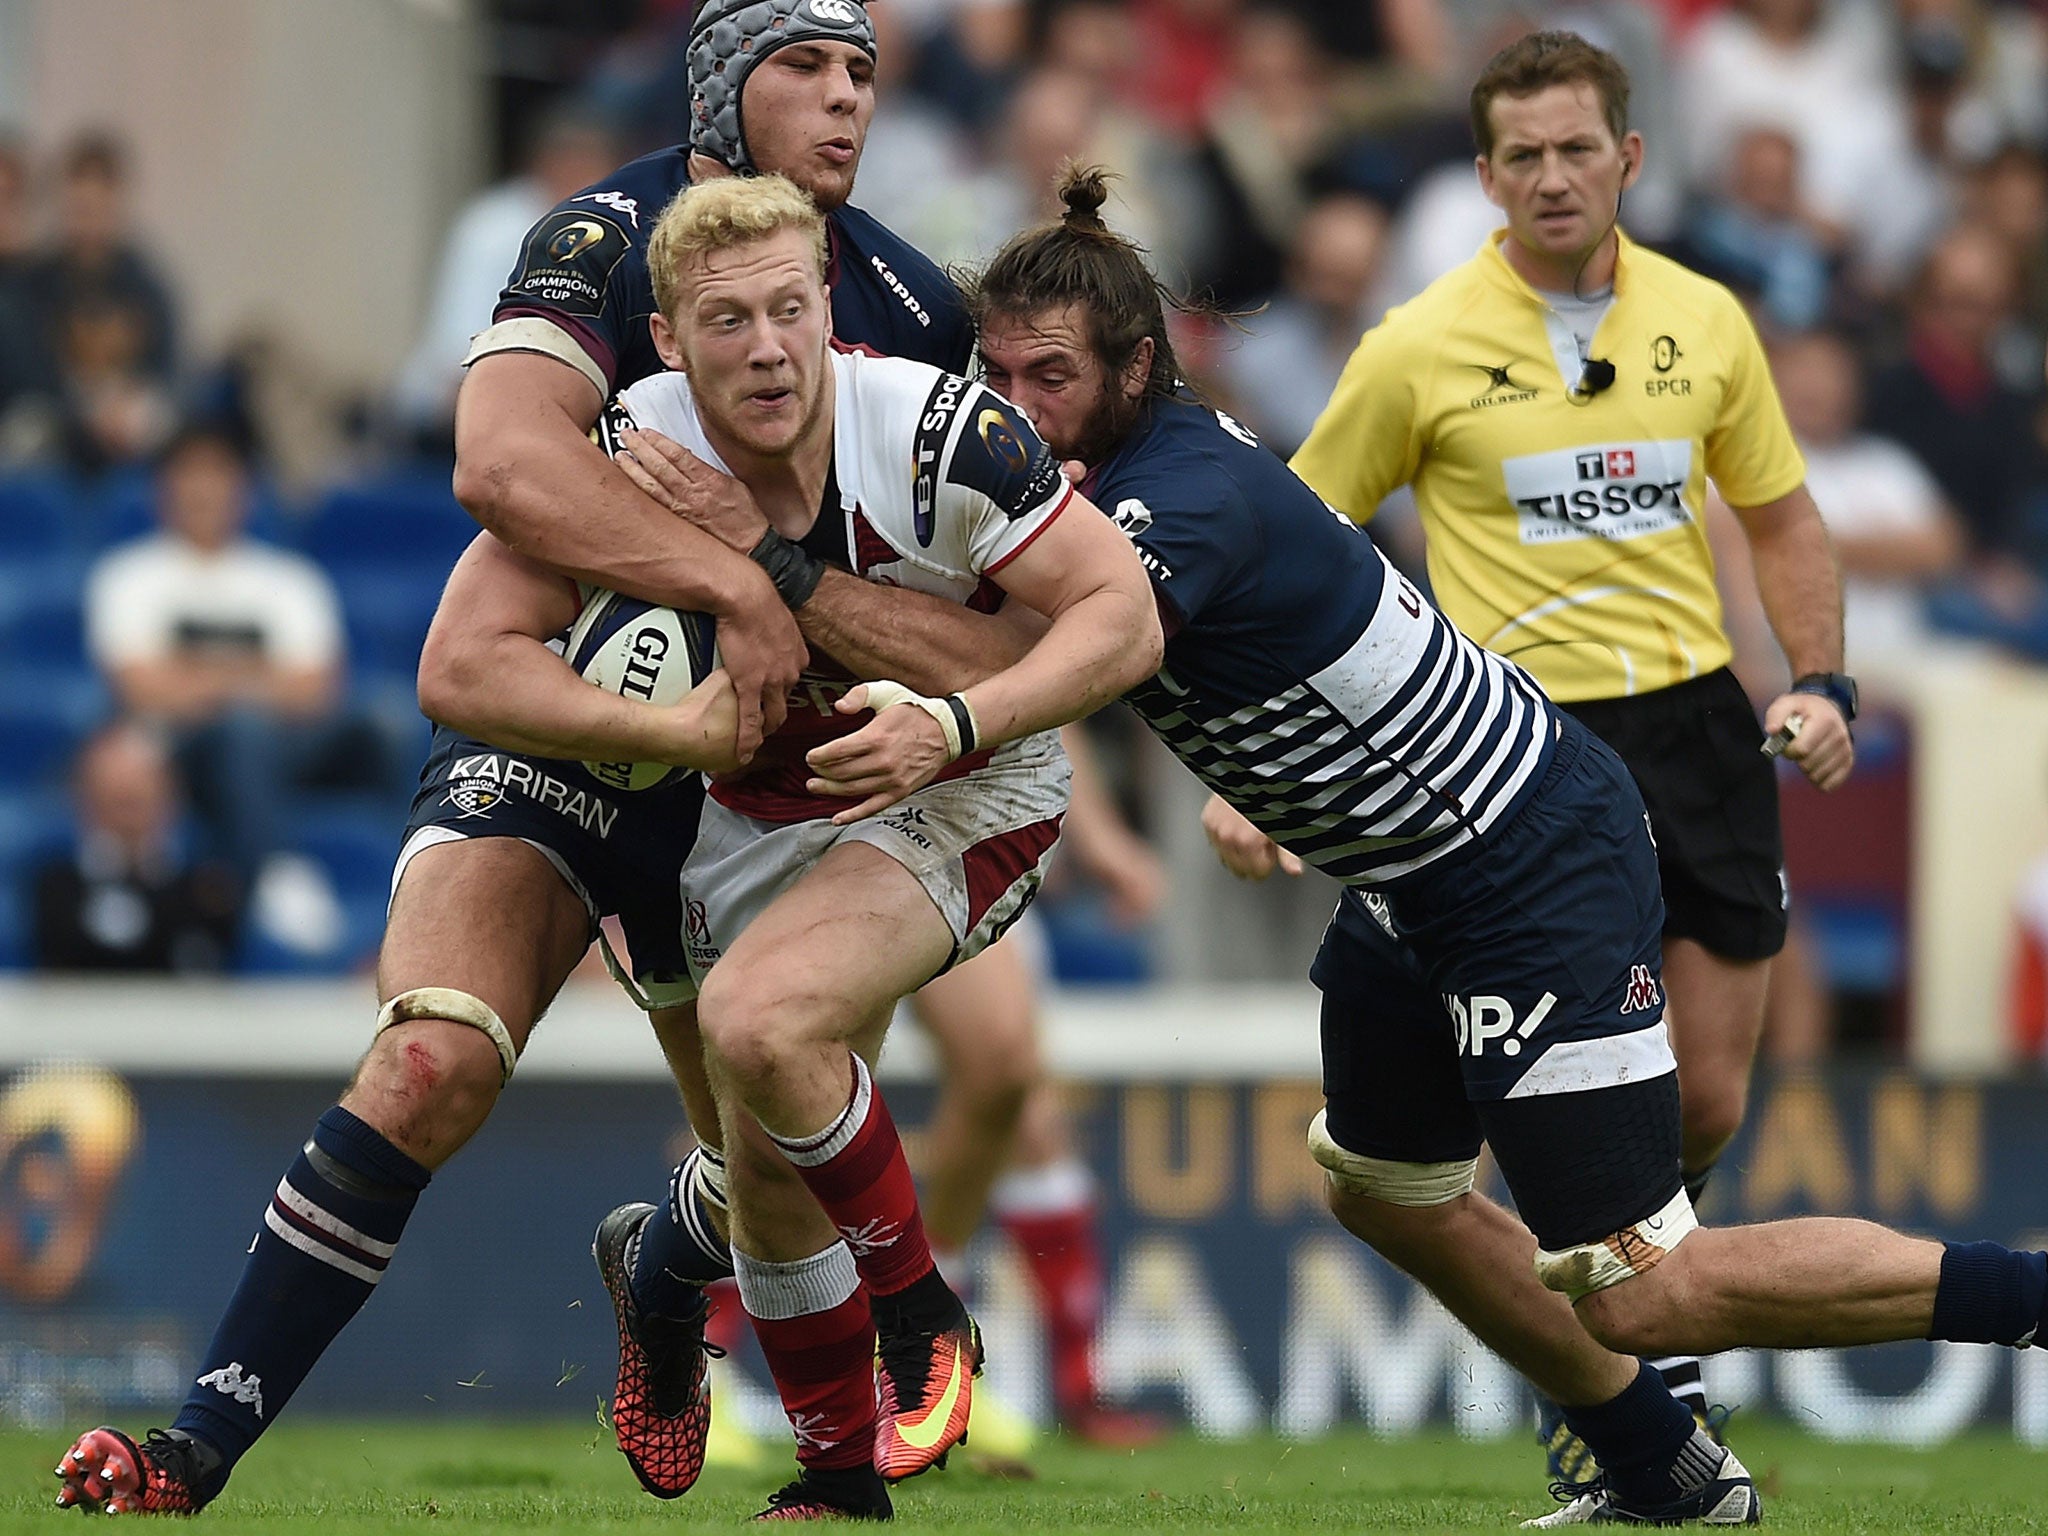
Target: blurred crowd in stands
x=1868, y=174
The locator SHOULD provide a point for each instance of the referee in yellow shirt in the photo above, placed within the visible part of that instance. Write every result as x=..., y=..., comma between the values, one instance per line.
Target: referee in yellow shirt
x=1559, y=403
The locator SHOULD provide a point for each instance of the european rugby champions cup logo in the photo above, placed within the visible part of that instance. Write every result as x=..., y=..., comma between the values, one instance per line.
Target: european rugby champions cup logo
x=572, y=240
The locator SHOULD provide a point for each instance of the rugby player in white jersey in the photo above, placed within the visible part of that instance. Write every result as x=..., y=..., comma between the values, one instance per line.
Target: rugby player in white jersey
x=809, y=917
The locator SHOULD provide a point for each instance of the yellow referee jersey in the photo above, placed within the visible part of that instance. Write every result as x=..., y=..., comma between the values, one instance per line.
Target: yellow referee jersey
x=1564, y=528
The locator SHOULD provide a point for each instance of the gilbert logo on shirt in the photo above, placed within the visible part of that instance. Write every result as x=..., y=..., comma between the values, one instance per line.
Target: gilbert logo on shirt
x=1501, y=388
x=1603, y=491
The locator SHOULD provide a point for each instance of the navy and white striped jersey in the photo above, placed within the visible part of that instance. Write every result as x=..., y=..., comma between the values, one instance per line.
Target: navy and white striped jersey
x=1306, y=681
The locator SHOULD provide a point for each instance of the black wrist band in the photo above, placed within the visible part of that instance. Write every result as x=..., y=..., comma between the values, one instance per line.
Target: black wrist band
x=795, y=571
x=963, y=718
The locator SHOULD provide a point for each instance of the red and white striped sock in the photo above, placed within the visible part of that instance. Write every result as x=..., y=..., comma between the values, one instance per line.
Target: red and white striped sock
x=818, y=1335
x=856, y=1168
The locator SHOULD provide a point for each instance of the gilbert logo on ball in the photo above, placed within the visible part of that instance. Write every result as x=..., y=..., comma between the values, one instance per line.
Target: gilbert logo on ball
x=641, y=652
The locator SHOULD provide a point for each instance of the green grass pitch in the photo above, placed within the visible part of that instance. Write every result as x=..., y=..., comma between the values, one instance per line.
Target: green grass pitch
x=367, y=1479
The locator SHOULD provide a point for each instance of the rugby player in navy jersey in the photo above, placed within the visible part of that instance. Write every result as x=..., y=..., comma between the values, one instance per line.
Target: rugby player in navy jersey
x=1315, y=691
x=509, y=859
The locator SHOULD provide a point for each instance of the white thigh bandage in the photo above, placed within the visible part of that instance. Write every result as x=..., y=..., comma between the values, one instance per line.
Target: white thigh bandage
x=1593, y=1267
x=1382, y=1178
x=457, y=1008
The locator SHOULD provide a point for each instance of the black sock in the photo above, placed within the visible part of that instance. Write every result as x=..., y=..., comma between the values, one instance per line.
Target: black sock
x=325, y=1241
x=1989, y=1294
x=1637, y=1437
x=678, y=1251
x=923, y=1306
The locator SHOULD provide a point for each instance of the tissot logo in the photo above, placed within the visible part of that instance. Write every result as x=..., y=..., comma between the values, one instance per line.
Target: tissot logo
x=1605, y=491
x=1501, y=387
x=1607, y=464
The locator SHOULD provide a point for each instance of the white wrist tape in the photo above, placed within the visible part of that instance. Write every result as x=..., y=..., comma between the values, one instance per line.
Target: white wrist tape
x=954, y=714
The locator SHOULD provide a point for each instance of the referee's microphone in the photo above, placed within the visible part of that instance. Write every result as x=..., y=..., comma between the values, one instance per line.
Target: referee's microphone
x=1596, y=375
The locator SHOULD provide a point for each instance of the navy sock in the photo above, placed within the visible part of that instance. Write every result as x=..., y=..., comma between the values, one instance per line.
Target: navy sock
x=1637, y=1438
x=1989, y=1294
x=324, y=1243
x=679, y=1252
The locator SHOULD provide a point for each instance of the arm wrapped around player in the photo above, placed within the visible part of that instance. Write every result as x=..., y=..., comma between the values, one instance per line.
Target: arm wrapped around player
x=1103, y=638
x=487, y=671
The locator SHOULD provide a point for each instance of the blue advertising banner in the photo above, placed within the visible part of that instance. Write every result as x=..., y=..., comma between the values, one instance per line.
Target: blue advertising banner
x=126, y=1206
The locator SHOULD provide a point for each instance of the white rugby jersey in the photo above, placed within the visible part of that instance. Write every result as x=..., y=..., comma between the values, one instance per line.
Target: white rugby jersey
x=936, y=483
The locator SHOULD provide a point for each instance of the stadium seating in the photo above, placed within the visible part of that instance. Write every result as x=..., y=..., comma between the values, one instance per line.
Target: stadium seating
x=388, y=542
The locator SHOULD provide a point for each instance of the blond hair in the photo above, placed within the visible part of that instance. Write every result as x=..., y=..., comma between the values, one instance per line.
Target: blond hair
x=720, y=214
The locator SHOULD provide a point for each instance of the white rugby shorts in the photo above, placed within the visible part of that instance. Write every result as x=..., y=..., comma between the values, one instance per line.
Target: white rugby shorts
x=978, y=845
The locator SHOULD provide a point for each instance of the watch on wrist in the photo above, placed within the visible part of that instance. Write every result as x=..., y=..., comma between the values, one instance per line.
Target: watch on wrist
x=1838, y=688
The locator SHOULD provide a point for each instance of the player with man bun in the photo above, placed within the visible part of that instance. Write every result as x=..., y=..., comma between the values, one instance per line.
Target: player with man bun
x=1315, y=691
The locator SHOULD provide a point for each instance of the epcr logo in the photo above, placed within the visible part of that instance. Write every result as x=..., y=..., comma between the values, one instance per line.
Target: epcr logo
x=835, y=13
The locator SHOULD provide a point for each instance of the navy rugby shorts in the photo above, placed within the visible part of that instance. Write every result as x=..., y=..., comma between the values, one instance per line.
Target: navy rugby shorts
x=620, y=851
x=1511, y=993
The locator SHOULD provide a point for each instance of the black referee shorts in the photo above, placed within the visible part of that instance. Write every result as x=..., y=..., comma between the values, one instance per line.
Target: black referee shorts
x=1694, y=750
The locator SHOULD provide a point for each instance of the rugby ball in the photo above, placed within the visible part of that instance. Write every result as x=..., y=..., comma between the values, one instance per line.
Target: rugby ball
x=639, y=651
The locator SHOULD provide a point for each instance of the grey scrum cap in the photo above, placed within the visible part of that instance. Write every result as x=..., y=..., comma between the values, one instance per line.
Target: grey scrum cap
x=730, y=37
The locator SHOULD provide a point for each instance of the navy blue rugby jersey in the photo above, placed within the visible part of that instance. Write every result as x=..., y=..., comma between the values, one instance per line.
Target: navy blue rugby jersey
x=584, y=267
x=1306, y=680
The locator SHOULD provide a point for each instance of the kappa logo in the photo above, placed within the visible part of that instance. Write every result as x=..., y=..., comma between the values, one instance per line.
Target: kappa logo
x=1642, y=990
x=895, y=285
x=230, y=1382
x=871, y=1236
x=618, y=202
